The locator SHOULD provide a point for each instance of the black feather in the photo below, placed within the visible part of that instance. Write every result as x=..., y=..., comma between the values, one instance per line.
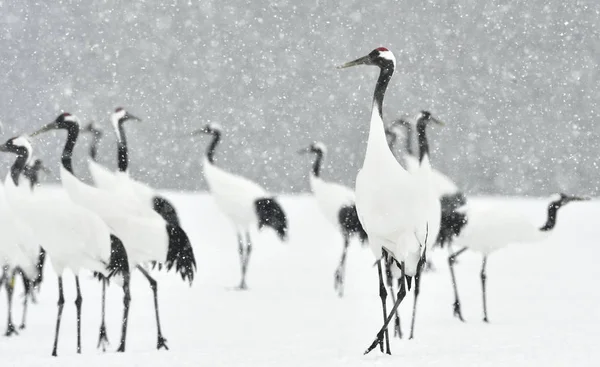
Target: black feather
x=40, y=268
x=180, y=253
x=348, y=218
x=166, y=210
x=271, y=214
x=452, y=221
x=118, y=263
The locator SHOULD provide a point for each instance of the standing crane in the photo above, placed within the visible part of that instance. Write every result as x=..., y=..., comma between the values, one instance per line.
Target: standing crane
x=337, y=205
x=398, y=209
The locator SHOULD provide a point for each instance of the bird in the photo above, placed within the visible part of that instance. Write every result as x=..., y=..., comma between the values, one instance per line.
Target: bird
x=489, y=229
x=395, y=207
x=27, y=260
x=244, y=202
x=336, y=203
x=452, y=199
x=74, y=237
x=146, y=235
x=96, y=136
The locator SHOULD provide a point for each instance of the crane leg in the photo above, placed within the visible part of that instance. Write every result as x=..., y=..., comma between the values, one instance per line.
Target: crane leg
x=78, y=302
x=162, y=342
x=10, y=287
x=61, y=303
x=483, y=283
x=126, y=301
x=102, y=337
x=246, y=260
x=451, y=259
x=390, y=284
x=380, y=334
x=341, y=269
x=383, y=296
x=420, y=267
x=27, y=286
x=241, y=253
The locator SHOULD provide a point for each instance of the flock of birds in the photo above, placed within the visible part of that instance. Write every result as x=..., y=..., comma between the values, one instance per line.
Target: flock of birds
x=401, y=207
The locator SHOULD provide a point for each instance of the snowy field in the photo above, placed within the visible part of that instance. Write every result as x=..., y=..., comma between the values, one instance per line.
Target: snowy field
x=544, y=303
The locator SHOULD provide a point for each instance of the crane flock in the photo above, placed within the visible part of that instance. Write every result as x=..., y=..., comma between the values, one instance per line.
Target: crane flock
x=402, y=207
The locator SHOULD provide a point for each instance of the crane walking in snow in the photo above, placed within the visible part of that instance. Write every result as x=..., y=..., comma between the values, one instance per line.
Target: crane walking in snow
x=73, y=237
x=244, y=202
x=147, y=236
x=337, y=205
x=399, y=210
x=490, y=229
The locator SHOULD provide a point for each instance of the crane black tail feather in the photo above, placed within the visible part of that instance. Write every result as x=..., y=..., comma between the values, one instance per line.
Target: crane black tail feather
x=180, y=254
x=118, y=263
x=348, y=218
x=271, y=214
x=166, y=210
x=453, y=219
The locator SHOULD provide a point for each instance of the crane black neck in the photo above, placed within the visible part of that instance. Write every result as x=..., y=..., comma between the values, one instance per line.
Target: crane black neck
x=422, y=139
x=387, y=70
x=32, y=173
x=316, y=168
x=17, y=168
x=409, y=140
x=210, y=152
x=552, y=214
x=94, y=146
x=122, y=150
x=67, y=154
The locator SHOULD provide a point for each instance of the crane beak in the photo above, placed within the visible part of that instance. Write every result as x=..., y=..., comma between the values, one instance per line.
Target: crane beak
x=199, y=132
x=438, y=121
x=365, y=60
x=304, y=150
x=578, y=198
x=129, y=116
x=51, y=126
x=3, y=148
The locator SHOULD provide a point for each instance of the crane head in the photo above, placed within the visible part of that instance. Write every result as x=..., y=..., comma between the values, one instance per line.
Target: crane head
x=427, y=117
x=18, y=145
x=209, y=129
x=93, y=129
x=121, y=115
x=316, y=147
x=561, y=199
x=64, y=121
x=380, y=56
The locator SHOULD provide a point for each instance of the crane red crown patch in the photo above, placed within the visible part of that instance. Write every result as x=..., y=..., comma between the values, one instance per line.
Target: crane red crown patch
x=382, y=49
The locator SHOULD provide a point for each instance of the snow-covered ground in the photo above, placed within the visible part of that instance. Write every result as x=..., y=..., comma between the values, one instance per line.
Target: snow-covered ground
x=544, y=303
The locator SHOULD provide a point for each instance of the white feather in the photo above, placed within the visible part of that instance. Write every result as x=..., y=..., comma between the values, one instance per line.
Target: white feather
x=74, y=237
x=144, y=235
x=491, y=228
x=235, y=195
x=331, y=197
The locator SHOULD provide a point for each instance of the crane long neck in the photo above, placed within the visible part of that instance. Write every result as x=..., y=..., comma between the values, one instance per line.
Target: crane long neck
x=17, y=168
x=210, y=152
x=67, y=153
x=377, y=138
x=382, y=83
x=316, y=168
x=409, y=140
x=122, y=150
x=422, y=139
x=94, y=147
x=551, y=220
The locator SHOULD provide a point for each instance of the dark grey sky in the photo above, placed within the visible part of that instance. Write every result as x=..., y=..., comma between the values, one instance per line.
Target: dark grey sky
x=517, y=83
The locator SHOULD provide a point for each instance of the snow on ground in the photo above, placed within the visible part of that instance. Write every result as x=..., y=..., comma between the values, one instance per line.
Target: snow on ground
x=543, y=302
